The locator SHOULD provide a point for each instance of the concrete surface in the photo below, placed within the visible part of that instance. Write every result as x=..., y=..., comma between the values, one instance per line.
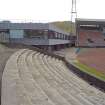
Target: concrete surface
x=32, y=78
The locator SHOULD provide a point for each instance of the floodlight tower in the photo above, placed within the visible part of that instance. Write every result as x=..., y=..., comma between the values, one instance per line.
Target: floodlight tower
x=73, y=16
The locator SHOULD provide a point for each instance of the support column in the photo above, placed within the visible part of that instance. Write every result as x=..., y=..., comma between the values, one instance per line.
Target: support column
x=58, y=47
x=49, y=48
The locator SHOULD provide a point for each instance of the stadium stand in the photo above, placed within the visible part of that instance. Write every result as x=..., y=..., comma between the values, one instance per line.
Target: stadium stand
x=35, y=79
x=90, y=33
x=92, y=38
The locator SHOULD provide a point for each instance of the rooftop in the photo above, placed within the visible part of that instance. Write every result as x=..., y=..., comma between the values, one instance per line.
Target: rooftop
x=81, y=21
x=22, y=26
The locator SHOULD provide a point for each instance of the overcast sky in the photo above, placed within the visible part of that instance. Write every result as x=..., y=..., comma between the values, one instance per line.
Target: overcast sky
x=49, y=10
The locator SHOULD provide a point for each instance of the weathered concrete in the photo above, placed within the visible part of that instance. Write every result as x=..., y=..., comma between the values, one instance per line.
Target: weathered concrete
x=32, y=78
x=5, y=53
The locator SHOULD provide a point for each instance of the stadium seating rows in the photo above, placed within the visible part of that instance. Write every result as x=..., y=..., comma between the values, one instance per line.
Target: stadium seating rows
x=32, y=78
x=91, y=38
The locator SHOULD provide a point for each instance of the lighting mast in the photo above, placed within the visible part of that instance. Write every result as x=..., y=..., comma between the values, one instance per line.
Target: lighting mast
x=73, y=17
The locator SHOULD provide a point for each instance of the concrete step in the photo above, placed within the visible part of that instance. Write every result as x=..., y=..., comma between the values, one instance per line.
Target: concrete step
x=67, y=88
x=11, y=82
x=32, y=78
x=43, y=83
x=84, y=91
x=32, y=91
x=57, y=83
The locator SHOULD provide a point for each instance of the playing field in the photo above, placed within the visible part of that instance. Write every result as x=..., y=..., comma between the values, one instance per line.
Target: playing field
x=93, y=57
x=92, y=60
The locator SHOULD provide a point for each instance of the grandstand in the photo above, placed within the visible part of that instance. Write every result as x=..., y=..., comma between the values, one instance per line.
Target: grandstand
x=90, y=32
x=38, y=79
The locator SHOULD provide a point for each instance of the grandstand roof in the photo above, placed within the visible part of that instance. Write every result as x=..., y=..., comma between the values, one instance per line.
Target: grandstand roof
x=81, y=21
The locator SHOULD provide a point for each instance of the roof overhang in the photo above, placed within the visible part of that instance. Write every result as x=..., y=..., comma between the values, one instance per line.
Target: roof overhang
x=80, y=21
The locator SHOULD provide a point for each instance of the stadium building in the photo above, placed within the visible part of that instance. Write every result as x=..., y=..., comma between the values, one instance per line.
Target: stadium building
x=90, y=32
x=42, y=35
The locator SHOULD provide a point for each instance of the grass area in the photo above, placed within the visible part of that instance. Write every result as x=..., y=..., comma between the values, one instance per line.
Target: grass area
x=64, y=25
x=90, y=71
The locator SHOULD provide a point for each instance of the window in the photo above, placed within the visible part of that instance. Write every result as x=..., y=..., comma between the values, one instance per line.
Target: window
x=51, y=34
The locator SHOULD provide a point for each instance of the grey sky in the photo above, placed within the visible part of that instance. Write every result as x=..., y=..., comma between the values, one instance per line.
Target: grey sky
x=49, y=10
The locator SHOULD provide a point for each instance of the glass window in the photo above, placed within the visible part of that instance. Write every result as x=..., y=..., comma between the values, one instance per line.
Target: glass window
x=56, y=36
x=51, y=34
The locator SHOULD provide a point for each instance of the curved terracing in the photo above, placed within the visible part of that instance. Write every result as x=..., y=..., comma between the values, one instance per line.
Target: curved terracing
x=32, y=78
